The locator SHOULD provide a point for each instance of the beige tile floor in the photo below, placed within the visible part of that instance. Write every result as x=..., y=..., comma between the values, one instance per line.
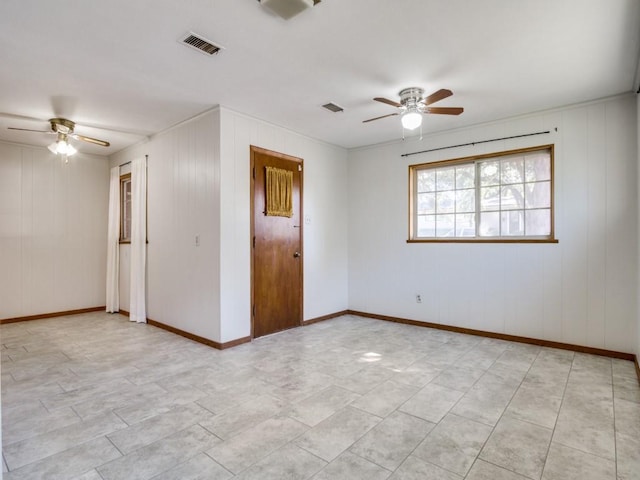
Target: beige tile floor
x=96, y=397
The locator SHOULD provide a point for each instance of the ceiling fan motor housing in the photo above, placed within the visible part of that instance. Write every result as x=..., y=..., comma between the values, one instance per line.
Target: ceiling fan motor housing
x=411, y=98
x=62, y=125
x=287, y=8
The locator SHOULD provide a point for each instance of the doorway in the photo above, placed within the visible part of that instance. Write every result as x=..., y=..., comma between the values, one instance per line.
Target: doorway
x=276, y=247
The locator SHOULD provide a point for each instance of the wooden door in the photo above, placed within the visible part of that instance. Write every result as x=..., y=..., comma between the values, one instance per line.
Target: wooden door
x=276, y=261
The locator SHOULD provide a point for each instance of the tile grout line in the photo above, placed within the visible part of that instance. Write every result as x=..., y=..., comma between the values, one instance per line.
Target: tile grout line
x=502, y=415
x=571, y=447
x=204, y=452
x=5, y=462
x=553, y=430
x=448, y=412
x=114, y=446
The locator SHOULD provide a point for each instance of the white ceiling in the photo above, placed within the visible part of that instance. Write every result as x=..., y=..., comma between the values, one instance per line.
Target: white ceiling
x=117, y=65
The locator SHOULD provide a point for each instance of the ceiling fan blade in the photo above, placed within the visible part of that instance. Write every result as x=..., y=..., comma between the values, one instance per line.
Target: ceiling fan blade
x=378, y=118
x=437, y=96
x=30, y=130
x=21, y=117
x=388, y=102
x=95, y=141
x=445, y=110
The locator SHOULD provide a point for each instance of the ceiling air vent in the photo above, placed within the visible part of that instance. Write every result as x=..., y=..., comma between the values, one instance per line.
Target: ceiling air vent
x=199, y=43
x=333, y=107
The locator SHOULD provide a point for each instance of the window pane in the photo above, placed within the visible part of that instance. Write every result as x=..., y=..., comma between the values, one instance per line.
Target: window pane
x=445, y=178
x=446, y=202
x=426, y=203
x=512, y=223
x=489, y=173
x=538, y=195
x=537, y=167
x=426, y=226
x=426, y=180
x=489, y=224
x=445, y=225
x=490, y=198
x=466, y=225
x=125, y=209
x=512, y=197
x=465, y=201
x=503, y=195
x=538, y=222
x=465, y=176
x=512, y=171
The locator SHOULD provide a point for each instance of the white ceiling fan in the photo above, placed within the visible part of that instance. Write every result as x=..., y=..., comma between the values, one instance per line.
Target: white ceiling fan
x=413, y=105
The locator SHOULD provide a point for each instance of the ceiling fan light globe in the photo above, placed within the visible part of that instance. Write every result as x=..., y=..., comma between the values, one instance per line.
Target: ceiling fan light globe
x=62, y=147
x=71, y=150
x=411, y=120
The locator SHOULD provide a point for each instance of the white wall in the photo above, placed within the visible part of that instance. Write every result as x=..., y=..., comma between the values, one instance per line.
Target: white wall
x=580, y=291
x=183, y=202
x=324, y=203
x=53, y=227
x=199, y=184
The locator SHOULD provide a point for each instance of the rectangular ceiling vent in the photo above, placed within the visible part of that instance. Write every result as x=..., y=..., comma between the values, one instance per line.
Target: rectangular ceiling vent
x=199, y=43
x=333, y=107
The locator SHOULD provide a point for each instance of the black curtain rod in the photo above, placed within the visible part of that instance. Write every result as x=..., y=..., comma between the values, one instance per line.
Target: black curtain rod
x=129, y=162
x=478, y=142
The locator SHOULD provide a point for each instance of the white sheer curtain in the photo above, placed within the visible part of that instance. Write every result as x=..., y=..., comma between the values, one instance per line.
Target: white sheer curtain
x=113, y=243
x=137, y=309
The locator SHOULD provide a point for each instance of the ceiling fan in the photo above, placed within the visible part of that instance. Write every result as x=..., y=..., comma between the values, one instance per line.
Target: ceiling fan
x=413, y=105
x=63, y=129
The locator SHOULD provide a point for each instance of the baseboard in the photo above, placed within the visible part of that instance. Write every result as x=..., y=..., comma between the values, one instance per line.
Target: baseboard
x=232, y=343
x=450, y=328
x=51, y=315
x=191, y=336
x=324, y=317
x=503, y=336
x=197, y=338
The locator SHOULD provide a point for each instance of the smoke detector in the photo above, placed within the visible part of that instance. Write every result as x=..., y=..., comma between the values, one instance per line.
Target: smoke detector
x=288, y=8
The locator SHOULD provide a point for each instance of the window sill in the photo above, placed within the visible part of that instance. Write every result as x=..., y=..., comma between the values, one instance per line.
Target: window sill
x=484, y=240
x=125, y=242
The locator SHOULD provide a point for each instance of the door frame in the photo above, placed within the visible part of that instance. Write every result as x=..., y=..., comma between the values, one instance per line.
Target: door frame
x=253, y=150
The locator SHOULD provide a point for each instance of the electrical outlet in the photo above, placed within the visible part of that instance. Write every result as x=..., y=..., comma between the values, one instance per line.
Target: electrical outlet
x=418, y=298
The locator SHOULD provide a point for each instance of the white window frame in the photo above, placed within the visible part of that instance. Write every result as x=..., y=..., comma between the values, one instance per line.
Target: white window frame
x=477, y=161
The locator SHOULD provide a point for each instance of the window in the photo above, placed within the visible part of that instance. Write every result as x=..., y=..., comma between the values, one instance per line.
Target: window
x=500, y=197
x=125, y=208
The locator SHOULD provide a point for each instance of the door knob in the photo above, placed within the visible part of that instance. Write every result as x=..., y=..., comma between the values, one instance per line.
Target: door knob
x=296, y=255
